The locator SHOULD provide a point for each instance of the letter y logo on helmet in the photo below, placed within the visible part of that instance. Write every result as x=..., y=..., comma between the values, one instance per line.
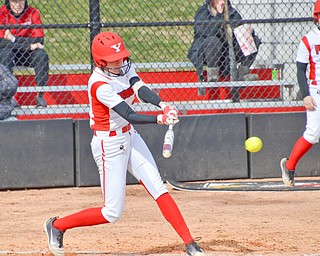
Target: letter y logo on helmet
x=116, y=47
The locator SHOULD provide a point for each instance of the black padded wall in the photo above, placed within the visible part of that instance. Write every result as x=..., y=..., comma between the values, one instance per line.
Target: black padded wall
x=56, y=153
x=206, y=147
x=279, y=132
x=36, y=154
x=86, y=170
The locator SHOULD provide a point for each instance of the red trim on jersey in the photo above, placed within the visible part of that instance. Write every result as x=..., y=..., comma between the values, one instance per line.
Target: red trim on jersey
x=103, y=172
x=94, y=88
x=306, y=43
x=113, y=133
x=101, y=113
x=312, y=74
x=126, y=93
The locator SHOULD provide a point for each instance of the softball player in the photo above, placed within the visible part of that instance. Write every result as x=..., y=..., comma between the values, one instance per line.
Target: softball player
x=116, y=145
x=308, y=53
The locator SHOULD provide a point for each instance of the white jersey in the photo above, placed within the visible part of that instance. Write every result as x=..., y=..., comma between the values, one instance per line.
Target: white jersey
x=104, y=93
x=116, y=146
x=309, y=52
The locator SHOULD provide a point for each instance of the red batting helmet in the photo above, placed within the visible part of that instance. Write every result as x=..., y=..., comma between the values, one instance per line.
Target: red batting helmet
x=108, y=47
x=316, y=10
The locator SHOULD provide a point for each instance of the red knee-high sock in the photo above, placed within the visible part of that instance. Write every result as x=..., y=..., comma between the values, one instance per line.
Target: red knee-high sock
x=88, y=217
x=173, y=215
x=300, y=148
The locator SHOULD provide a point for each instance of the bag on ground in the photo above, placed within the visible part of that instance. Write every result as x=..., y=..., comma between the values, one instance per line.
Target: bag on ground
x=8, y=88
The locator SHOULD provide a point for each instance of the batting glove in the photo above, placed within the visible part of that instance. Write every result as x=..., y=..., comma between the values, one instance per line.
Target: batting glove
x=169, y=110
x=166, y=119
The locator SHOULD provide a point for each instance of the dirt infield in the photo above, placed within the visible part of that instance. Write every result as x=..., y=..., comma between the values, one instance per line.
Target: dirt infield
x=226, y=223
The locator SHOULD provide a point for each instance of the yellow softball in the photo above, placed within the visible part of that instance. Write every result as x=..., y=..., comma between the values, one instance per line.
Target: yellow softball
x=253, y=144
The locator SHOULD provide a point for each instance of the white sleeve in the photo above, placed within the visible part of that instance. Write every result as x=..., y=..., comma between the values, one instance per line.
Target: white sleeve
x=303, y=53
x=108, y=96
x=132, y=72
x=136, y=88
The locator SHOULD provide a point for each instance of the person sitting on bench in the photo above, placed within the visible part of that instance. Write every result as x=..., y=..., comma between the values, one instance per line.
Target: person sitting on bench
x=24, y=46
x=210, y=45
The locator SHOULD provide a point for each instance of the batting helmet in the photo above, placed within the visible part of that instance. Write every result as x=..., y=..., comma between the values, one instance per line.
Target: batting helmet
x=108, y=47
x=316, y=10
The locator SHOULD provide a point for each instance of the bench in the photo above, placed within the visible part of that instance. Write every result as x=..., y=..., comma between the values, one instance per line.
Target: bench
x=147, y=65
x=175, y=82
x=80, y=111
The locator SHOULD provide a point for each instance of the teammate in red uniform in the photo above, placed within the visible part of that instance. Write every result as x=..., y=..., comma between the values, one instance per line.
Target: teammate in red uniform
x=116, y=145
x=24, y=46
x=308, y=53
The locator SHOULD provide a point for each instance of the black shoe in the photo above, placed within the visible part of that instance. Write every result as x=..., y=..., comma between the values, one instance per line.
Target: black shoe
x=201, y=78
x=55, y=238
x=193, y=249
x=41, y=102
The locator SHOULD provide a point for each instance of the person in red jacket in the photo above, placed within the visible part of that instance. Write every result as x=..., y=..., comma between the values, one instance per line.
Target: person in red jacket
x=24, y=46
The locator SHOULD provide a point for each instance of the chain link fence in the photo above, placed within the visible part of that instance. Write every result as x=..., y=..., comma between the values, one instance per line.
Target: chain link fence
x=159, y=35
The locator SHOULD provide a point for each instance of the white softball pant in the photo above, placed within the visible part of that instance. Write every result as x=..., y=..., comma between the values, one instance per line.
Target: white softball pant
x=114, y=156
x=312, y=132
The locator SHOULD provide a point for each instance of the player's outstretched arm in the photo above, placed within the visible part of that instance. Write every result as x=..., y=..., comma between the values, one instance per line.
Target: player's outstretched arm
x=125, y=111
x=146, y=95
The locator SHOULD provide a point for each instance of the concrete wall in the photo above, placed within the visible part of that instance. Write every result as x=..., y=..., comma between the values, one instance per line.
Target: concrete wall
x=56, y=153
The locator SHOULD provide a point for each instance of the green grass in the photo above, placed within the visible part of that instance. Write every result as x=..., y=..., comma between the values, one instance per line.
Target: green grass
x=146, y=44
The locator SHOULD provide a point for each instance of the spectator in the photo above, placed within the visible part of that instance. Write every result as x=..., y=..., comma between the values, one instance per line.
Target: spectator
x=210, y=45
x=24, y=46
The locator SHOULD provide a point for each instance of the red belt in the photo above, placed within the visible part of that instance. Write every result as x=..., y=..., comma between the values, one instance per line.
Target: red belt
x=124, y=129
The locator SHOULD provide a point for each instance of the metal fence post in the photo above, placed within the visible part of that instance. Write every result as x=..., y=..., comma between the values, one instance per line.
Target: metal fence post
x=94, y=9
